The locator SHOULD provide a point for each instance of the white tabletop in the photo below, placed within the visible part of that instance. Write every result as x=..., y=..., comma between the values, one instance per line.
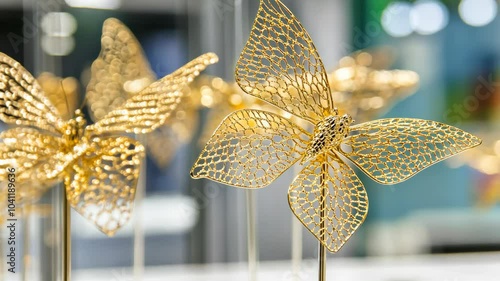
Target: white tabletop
x=464, y=267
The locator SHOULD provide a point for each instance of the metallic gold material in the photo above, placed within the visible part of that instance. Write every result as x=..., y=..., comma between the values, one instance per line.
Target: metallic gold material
x=139, y=235
x=62, y=93
x=120, y=72
x=251, y=148
x=322, y=207
x=99, y=170
x=364, y=89
x=220, y=97
x=66, y=247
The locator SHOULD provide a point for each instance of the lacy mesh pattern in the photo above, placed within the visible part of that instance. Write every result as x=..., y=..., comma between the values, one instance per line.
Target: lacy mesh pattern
x=393, y=150
x=22, y=101
x=280, y=65
x=102, y=184
x=250, y=148
x=329, y=200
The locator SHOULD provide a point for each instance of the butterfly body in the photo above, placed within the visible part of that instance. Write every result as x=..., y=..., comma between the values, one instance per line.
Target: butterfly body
x=74, y=131
x=328, y=135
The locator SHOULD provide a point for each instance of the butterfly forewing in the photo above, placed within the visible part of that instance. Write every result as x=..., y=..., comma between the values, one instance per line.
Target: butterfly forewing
x=329, y=200
x=393, y=150
x=120, y=71
x=149, y=109
x=280, y=65
x=22, y=101
x=250, y=149
x=101, y=185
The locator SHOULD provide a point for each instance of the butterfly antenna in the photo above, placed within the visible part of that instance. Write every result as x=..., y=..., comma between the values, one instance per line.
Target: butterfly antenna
x=65, y=98
x=83, y=102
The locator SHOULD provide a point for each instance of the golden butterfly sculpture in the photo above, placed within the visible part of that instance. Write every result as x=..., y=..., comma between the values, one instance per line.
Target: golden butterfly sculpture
x=63, y=94
x=120, y=72
x=362, y=87
x=251, y=148
x=99, y=169
x=65, y=100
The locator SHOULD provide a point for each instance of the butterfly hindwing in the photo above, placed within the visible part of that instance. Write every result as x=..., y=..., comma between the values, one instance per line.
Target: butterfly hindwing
x=393, y=150
x=280, y=65
x=22, y=101
x=329, y=199
x=250, y=149
x=101, y=184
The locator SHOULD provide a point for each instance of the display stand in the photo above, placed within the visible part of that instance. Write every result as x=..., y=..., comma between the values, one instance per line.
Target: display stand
x=26, y=246
x=139, y=238
x=322, y=214
x=296, y=246
x=66, y=238
x=251, y=210
x=252, y=235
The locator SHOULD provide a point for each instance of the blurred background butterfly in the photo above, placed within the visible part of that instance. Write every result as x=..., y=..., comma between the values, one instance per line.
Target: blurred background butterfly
x=120, y=72
x=251, y=148
x=363, y=86
x=99, y=170
x=221, y=98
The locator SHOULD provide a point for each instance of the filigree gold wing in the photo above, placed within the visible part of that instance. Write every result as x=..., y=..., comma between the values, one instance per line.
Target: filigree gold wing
x=101, y=184
x=329, y=200
x=28, y=151
x=120, y=70
x=281, y=65
x=147, y=110
x=393, y=150
x=22, y=101
x=250, y=149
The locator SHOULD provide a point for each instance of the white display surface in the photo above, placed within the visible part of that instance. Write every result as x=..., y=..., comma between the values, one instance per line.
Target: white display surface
x=463, y=267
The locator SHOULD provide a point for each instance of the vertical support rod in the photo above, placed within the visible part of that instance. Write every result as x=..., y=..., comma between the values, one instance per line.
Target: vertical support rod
x=26, y=246
x=252, y=235
x=322, y=214
x=66, y=251
x=239, y=25
x=139, y=238
x=296, y=240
